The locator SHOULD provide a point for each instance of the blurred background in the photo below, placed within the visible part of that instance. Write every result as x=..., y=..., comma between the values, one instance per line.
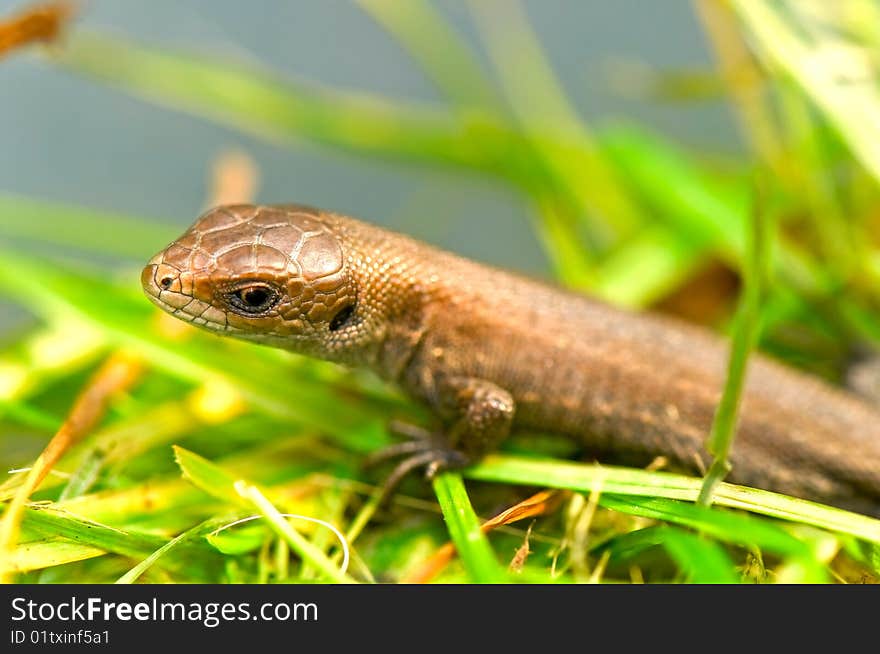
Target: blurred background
x=75, y=141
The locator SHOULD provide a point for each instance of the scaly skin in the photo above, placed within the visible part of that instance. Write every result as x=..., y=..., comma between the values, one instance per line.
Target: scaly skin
x=490, y=351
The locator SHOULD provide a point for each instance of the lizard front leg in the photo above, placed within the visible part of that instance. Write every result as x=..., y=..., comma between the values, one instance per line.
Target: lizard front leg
x=477, y=416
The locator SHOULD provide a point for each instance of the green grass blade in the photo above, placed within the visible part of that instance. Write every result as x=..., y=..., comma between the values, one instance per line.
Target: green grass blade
x=207, y=476
x=560, y=139
x=706, y=217
x=738, y=529
x=436, y=47
x=132, y=575
x=85, y=229
x=687, y=198
x=745, y=336
x=623, y=547
x=109, y=539
x=300, y=544
x=708, y=211
x=649, y=266
x=50, y=552
x=216, y=481
x=285, y=111
x=833, y=70
x=27, y=415
x=702, y=561
x=163, y=497
x=627, y=481
x=464, y=529
x=743, y=530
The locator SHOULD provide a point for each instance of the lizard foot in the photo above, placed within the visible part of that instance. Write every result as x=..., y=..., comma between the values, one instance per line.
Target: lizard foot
x=424, y=449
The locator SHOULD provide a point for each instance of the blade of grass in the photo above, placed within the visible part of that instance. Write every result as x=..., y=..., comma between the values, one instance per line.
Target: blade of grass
x=84, y=477
x=116, y=376
x=812, y=176
x=538, y=504
x=464, y=529
x=194, y=559
x=649, y=266
x=742, y=530
x=46, y=354
x=50, y=552
x=539, y=102
x=739, y=529
x=193, y=534
x=301, y=545
x=436, y=47
x=712, y=215
x=834, y=71
x=52, y=523
x=44, y=22
x=28, y=415
x=286, y=111
x=85, y=229
x=632, y=482
x=622, y=547
x=745, y=336
x=209, y=477
x=161, y=496
x=702, y=561
x=744, y=82
x=216, y=481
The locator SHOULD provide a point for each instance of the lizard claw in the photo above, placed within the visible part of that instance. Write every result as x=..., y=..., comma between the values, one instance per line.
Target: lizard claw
x=419, y=440
x=434, y=461
x=426, y=449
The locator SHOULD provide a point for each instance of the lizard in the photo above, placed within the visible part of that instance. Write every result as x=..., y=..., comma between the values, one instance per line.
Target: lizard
x=490, y=351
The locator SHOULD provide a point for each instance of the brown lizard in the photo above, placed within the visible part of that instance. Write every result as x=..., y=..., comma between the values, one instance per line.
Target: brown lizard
x=490, y=351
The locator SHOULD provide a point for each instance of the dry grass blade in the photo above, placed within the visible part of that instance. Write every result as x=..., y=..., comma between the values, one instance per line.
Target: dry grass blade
x=538, y=504
x=42, y=22
x=235, y=178
x=117, y=374
x=744, y=80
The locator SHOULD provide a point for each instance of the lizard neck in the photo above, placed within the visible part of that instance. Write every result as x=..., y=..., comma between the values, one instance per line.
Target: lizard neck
x=394, y=284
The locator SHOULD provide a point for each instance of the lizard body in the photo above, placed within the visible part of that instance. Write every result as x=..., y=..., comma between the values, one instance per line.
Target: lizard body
x=490, y=351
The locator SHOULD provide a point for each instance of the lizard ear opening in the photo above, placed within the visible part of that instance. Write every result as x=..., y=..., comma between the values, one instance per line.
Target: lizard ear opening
x=342, y=317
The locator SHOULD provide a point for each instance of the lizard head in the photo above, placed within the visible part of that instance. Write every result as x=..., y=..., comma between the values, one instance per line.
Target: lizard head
x=275, y=275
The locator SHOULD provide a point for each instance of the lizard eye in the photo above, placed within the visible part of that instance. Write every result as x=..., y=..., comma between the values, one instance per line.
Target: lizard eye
x=253, y=299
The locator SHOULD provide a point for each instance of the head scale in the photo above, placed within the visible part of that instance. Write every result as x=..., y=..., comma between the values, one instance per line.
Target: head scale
x=276, y=275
